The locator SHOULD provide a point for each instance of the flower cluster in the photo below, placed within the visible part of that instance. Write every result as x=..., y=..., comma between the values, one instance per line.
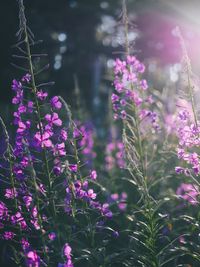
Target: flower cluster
x=45, y=151
x=188, y=192
x=130, y=89
x=80, y=190
x=120, y=200
x=85, y=133
x=67, y=254
x=188, y=134
x=114, y=155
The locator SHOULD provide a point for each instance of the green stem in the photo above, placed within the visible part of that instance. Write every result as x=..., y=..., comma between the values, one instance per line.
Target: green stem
x=12, y=179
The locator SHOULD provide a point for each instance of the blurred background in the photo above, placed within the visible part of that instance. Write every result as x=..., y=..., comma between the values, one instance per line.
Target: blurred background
x=82, y=37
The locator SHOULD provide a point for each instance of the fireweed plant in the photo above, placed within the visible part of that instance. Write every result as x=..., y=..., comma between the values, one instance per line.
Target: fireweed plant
x=48, y=206
x=141, y=129
x=187, y=150
x=133, y=105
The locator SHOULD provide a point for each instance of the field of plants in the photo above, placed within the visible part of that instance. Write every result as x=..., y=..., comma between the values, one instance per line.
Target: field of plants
x=69, y=197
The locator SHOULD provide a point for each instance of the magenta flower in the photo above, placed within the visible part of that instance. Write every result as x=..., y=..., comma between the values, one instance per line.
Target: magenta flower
x=53, y=119
x=59, y=150
x=91, y=194
x=114, y=98
x=43, y=140
x=106, y=211
x=22, y=127
x=115, y=196
x=63, y=135
x=52, y=236
x=25, y=244
x=27, y=200
x=11, y=193
x=67, y=251
x=189, y=192
x=26, y=78
x=18, y=219
x=42, y=95
x=93, y=175
x=3, y=211
x=56, y=103
x=16, y=85
x=32, y=259
x=18, y=98
x=8, y=235
x=30, y=106
x=73, y=167
x=119, y=66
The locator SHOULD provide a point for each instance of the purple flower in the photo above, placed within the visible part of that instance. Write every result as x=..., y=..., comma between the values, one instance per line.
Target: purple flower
x=18, y=98
x=10, y=193
x=63, y=135
x=43, y=140
x=3, y=211
x=57, y=170
x=25, y=244
x=18, y=219
x=76, y=133
x=32, y=259
x=73, y=167
x=23, y=126
x=16, y=85
x=30, y=106
x=123, y=114
x=42, y=95
x=93, y=175
x=67, y=251
x=8, y=235
x=27, y=200
x=105, y=210
x=26, y=78
x=52, y=236
x=115, y=197
x=53, y=119
x=179, y=170
x=91, y=194
x=143, y=84
x=116, y=234
x=56, y=103
x=189, y=192
x=114, y=98
x=59, y=150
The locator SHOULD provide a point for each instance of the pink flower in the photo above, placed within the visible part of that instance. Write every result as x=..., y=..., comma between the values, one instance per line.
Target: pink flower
x=93, y=175
x=52, y=236
x=43, y=140
x=59, y=150
x=55, y=102
x=189, y=192
x=91, y=194
x=53, y=119
x=63, y=135
x=33, y=259
x=73, y=167
x=67, y=251
x=10, y=193
x=23, y=126
x=8, y=235
x=42, y=95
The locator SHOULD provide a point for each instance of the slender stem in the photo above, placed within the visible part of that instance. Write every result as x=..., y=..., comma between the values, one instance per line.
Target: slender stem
x=34, y=90
x=12, y=179
x=125, y=21
x=191, y=95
